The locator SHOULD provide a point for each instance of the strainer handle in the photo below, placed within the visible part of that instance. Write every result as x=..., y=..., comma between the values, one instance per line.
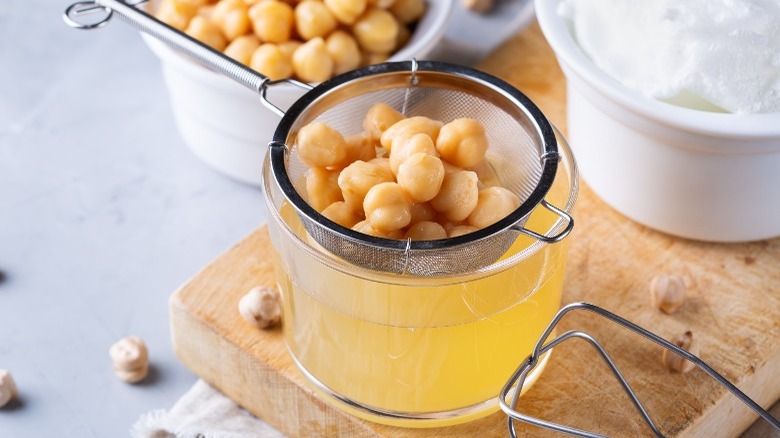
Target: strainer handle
x=213, y=59
x=555, y=238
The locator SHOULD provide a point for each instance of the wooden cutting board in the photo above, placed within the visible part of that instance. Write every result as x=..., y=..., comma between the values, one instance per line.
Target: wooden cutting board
x=733, y=309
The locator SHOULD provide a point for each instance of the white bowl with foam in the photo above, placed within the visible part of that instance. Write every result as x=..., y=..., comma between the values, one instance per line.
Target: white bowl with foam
x=227, y=126
x=694, y=174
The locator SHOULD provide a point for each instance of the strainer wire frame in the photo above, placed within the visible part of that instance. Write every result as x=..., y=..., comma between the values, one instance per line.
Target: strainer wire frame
x=415, y=72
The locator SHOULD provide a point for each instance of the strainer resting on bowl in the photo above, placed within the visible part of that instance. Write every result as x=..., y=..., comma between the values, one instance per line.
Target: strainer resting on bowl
x=523, y=150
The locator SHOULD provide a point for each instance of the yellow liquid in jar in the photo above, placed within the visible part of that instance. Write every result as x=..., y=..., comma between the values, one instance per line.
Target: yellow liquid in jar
x=422, y=346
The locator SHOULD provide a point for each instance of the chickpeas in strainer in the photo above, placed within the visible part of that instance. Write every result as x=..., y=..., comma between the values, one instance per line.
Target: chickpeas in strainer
x=523, y=149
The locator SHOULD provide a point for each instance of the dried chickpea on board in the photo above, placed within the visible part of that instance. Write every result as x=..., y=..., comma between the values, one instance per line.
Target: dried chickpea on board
x=311, y=40
x=402, y=177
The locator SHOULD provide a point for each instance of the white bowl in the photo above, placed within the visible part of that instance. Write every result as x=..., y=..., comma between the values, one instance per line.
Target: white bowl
x=227, y=126
x=695, y=174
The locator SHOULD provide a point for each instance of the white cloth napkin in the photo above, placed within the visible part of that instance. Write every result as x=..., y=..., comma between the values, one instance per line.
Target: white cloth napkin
x=203, y=412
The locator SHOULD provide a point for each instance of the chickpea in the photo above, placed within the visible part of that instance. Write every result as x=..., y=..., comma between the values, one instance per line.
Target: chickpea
x=406, y=128
x=366, y=228
x=384, y=4
x=357, y=179
x=169, y=13
x=272, y=21
x=458, y=195
x=313, y=19
x=493, y=204
x=206, y=11
x=289, y=47
x=322, y=187
x=404, y=35
x=242, y=48
x=359, y=147
x=342, y=214
x=421, y=175
x=270, y=61
x=387, y=207
x=311, y=61
x=459, y=230
x=346, y=11
x=368, y=58
x=188, y=7
x=418, y=143
x=376, y=31
x=344, y=50
x=231, y=16
x=462, y=142
x=426, y=231
x=319, y=145
x=206, y=32
x=422, y=212
x=380, y=117
x=407, y=11
x=384, y=162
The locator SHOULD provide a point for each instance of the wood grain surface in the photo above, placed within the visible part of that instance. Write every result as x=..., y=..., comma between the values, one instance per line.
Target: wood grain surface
x=733, y=309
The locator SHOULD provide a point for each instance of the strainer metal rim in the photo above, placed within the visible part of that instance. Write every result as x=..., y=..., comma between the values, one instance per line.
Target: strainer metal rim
x=550, y=155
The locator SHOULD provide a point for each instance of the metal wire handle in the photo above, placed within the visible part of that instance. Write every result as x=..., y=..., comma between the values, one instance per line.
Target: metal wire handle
x=138, y=18
x=532, y=360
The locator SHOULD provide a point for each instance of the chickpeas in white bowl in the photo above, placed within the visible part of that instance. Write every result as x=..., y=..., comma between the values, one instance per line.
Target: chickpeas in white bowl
x=693, y=173
x=226, y=125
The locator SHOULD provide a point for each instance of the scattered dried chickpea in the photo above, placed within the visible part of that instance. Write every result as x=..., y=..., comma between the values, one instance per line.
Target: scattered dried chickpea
x=313, y=19
x=272, y=21
x=493, y=204
x=8, y=389
x=242, y=48
x=421, y=176
x=312, y=62
x=130, y=358
x=344, y=51
x=387, y=207
x=322, y=187
x=261, y=306
x=342, y=214
x=667, y=292
x=405, y=128
x=206, y=32
x=357, y=179
x=676, y=363
x=376, y=31
x=231, y=17
x=270, y=61
x=407, y=11
x=380, y=117
x=319, y=145
x=426, y=230
x=346, y=11
x=462, y=142
x=458, y=195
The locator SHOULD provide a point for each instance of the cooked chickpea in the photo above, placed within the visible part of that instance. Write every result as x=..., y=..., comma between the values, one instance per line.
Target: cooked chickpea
x=206, y=11
x=242, y=48
x=387, y=207
x=380, y=117
x=188, y=7
x=313, y=19
x=346, y=11
x=493, y=204
x=206, y=32
x=422, y=212
x=357, y=179
x=231, y=16
x=458, y=195
x=421, y=175
x=404, y=35
x=366, y=228
x=272, y=20
x=311, y=61
x=384, y=4
x=359, y=147
x=462, y=142
x=407, y=11
x=175, y=17
x=402, y=150
x=342, y=214
x=459, y=230
x=404, y=129
x=344, y=50
x=382, y=161
x=270, y=61
x=319, y=145
x=426, y=231
x=289, y=47
x=322, y=187
x=368, y=58
x=376, y=31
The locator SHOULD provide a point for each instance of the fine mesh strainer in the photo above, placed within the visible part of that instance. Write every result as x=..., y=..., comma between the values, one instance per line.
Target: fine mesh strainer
x=523, y=150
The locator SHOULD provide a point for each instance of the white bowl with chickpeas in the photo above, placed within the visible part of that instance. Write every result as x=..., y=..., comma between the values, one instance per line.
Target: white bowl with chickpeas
x=226, y=125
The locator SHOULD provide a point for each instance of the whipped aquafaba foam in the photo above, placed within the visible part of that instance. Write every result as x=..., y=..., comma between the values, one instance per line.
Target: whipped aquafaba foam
x=705, y=54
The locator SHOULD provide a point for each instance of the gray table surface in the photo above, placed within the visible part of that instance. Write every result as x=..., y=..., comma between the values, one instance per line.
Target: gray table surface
x=104, y=212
